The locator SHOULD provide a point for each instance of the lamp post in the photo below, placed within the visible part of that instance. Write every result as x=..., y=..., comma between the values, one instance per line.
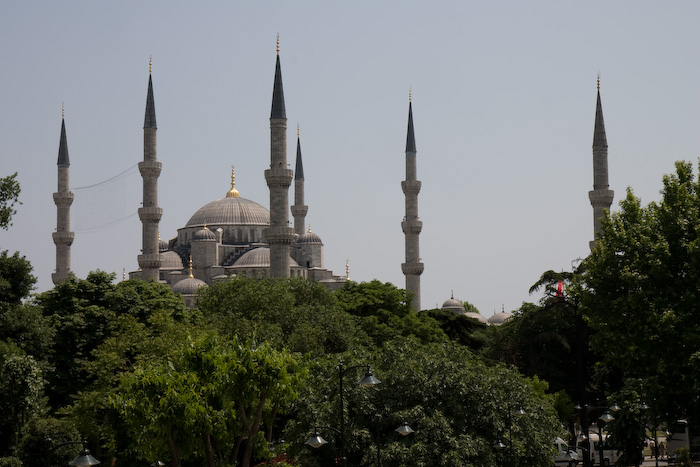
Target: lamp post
x=509, y=419
x=368, y=381
x=604, y=419
x=84, y=459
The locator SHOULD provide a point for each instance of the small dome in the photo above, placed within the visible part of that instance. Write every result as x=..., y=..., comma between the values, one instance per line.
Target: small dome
x=204, y=235
x=309, y=237
x=162, y=245
x=453, y=305
x=258, y=258
x=499, y=318
x=171, y=260
x=188, y=286
x=477, y=316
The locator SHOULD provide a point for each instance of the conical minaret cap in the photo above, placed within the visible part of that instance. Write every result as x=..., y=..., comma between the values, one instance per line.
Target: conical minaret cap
x=299, y=169
x=63, y=159
x=410, y=137
x=278, y=110
x=599, y=138
x=150, y=119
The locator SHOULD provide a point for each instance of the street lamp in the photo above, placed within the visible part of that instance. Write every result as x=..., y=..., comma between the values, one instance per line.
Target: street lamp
x=368, y=381
x=404, y=429
x=499, y=444
x=84, y=459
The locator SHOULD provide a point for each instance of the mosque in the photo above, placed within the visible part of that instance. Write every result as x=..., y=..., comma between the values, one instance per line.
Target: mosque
x=235, y=236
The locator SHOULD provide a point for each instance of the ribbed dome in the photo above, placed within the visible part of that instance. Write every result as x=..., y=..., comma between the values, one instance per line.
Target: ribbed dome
x=162, y=245
x=204, y=234
x=477, y=316
x=188, y=286
x=231, y=211
x=453, y=305
x=309, y=237
x=171, y=260
x=258, y=258
x=499, y=318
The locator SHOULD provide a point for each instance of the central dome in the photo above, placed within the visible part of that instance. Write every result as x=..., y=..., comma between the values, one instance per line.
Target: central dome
x=230, y=211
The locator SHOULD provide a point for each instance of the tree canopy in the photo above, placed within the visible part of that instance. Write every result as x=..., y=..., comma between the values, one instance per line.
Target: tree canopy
x=9, y=197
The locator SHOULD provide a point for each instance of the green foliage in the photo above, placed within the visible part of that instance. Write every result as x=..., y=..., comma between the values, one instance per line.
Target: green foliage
x=458, y=406
x=16, y=279
x=628, y=431
x=459, y=328
x=41, y=442
x=9, y=196
x=296, y=314
x=10, y=462
x=643, y=298
x=384, y=312
x=206, y=401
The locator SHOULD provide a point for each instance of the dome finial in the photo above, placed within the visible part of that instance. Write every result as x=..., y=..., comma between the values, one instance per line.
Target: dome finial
x=190, y=276
x=309, y=228
x=347, y=269
x=278, y=43
x=598, y=83
x=123, y=274
x=233, y=193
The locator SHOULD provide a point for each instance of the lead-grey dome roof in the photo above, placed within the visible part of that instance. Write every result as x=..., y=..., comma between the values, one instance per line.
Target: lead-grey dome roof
x=499, y=318
x=171, y=260
x=453, y=305
x=309, y=237
x=230, y=211
x=258, y=258
x=188, y=286
x=204, y=234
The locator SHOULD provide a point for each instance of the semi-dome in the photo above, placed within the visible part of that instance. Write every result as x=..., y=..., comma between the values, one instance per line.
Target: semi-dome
x=170, y=260
x=230, y=211
x=188, y=286
x=258, y=258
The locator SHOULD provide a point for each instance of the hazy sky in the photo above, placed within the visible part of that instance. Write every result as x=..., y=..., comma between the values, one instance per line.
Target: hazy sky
x=503, y=105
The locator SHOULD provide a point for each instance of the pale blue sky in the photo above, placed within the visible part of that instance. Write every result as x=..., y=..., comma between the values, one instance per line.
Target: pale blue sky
x=503, y=96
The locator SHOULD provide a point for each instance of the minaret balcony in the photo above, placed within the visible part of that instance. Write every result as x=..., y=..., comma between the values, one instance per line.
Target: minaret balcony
x=279, y=178
x=412, y=269
x=299, y=210
x=601, y=197
x=150, y=214
x=63, y=238
x=63, y=198
x=150, y=169
x=410, y=187
x=152, y=261
x=279, y=235
x=412, y=227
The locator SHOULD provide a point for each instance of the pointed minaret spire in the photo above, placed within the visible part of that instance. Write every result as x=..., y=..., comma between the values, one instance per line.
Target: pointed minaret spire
x=149, y=260
x=63, y=198
x=411, y=226
x=279, y=235
x=601, y=196
x=299, y=209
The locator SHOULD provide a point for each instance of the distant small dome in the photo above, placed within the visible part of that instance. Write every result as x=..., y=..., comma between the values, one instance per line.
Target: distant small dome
x=309, y=237
x=499, y=318
x=162, y=245
x=170, y=260
x=477, y=316
x=258, y=258
x=204, y=235
x=188, y=286
x=453, y=305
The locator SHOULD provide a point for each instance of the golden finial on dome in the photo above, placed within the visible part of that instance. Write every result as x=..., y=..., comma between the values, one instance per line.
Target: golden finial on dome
x=123, y=274
x=205, y=226
x=190, y=276
x=347, y=269
x=599, y=81
x=309, y=228
x=233, y=193
x=278, y=43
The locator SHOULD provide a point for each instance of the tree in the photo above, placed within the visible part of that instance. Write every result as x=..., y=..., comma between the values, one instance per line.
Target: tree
x=297, y=314
x=208, y=403
x=642, y=298
x=16, y=279
x=9, y=196
x=458, y=407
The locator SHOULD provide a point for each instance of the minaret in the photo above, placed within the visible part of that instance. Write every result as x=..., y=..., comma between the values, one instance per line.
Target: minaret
x=411, y=226
x=279, y=235
x=150, y=214
x=601, y=197
x=63, y=237
x=299, y=210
